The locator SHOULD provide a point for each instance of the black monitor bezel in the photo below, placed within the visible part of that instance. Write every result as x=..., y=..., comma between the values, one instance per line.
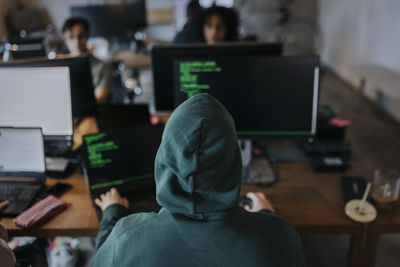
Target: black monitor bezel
x=163, y=76
x=294, y=136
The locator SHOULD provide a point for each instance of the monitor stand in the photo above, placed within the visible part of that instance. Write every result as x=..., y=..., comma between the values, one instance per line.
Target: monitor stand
x=256, y=170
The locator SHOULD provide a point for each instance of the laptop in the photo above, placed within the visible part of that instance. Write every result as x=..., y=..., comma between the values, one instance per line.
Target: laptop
x=39, y=97
x=123, y=159
x=22, y=167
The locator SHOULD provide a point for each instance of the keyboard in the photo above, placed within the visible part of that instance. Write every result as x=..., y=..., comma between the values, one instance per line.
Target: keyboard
x=19, y=194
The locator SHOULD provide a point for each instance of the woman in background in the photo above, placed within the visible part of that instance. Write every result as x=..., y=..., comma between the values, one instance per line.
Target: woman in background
x=220, y=24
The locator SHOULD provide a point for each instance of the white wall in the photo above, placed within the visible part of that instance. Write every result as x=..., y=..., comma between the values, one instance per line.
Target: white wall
x=360, y=32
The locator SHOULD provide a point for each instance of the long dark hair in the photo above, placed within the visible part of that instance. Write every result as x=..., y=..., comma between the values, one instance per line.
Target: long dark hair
x=230, y=17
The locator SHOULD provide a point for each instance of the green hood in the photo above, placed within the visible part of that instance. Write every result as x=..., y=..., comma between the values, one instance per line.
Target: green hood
x=198, y=165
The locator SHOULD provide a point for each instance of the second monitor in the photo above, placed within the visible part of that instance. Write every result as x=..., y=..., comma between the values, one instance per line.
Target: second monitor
x=266, y=96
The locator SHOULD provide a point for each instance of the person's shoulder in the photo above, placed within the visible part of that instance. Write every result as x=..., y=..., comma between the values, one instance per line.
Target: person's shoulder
x=134, y=222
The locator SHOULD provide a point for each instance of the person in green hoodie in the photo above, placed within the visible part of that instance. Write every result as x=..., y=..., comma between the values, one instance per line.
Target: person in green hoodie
x=198, y=180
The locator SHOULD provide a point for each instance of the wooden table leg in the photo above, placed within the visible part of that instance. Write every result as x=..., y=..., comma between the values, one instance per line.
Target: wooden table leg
x=363, y=250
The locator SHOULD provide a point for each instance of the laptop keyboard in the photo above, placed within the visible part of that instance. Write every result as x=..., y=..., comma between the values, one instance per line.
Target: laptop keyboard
x=18, y=192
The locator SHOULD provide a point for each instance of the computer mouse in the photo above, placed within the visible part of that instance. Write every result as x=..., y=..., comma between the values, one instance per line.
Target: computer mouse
x=245, y=201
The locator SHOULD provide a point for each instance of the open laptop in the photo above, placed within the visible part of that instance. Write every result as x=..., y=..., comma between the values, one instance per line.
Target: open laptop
x=22, y=167
x=123, y=159
x=39, y=97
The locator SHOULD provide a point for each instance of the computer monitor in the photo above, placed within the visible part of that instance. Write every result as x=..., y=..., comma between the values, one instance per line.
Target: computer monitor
x=37, y=97
x=106, y=156
x=82, y=89
x=266, y=96
x=113, y=20
x=162, y=58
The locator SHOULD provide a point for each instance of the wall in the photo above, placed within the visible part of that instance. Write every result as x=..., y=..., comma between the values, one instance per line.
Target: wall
x=5, y=5
x=259, y=17
x=358, y=33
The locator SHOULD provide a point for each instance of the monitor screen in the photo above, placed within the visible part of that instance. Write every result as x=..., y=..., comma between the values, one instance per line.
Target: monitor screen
x=162, y=58
x=266, y=96
x=21, y=151
x=82, y=89
x=122, y=157
x=115, y=20
x=36, y=97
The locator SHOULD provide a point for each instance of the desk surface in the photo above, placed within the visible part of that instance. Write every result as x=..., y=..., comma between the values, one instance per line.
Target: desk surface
x=312, y=202
x=132, y=60
x=77, y=220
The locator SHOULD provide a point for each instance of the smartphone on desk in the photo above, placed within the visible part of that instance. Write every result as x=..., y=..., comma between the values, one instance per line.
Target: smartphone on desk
x=56, y=190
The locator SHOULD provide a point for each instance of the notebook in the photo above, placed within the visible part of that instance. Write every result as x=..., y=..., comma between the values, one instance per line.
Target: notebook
x=123, y=159
x=22, y=167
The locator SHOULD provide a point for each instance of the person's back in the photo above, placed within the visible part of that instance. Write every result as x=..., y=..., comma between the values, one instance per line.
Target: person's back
x=198, y=173
x=192, y=30
x=239, y=238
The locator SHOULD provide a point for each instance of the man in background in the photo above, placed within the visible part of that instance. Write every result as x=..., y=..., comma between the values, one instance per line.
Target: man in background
x=76, y=33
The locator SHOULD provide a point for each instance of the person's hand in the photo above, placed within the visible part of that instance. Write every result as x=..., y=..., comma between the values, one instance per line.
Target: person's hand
x=109, y=198
x=259, y=202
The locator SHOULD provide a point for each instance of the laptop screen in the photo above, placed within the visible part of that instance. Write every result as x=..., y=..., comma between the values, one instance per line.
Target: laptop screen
x=36, y=97
x=21, y=152
x=121, y=157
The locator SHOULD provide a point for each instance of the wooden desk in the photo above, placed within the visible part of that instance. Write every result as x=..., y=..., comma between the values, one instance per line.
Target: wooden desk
x=132, y=60
x=77, y=220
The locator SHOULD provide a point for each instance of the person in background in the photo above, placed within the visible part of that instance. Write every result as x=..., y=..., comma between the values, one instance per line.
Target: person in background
x=220, y=24
x=191, y=32
x=76, y=33
x=198, y=170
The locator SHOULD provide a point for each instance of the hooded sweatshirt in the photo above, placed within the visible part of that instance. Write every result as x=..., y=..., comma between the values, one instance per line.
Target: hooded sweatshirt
x=198, y=174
